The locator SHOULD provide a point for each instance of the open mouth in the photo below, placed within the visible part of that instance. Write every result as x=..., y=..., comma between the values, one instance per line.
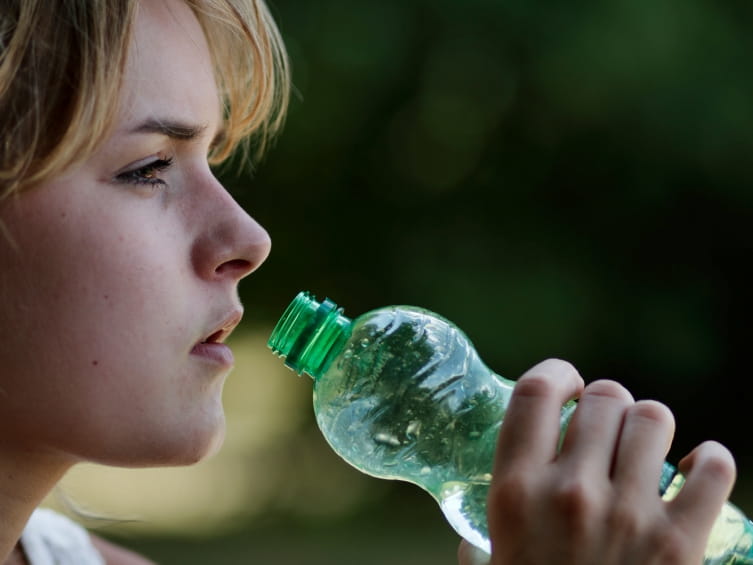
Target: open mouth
x=217, y=337
x=213, y=349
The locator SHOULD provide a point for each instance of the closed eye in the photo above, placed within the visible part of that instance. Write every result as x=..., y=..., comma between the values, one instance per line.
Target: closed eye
x=148, y=174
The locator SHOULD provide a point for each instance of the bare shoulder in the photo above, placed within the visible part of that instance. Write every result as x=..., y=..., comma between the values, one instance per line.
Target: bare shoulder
x=116, y=555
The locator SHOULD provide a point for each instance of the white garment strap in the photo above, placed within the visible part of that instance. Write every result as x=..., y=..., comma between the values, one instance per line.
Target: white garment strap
x=52, y=539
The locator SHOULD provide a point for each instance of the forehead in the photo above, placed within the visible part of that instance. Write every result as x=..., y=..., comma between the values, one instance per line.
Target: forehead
x=169, y=71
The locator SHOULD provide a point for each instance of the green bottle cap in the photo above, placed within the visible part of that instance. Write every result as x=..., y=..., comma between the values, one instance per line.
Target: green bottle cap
x=309, y=333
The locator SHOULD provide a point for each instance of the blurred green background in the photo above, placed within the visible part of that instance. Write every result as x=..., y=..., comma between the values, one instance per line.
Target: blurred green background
x=570, y=180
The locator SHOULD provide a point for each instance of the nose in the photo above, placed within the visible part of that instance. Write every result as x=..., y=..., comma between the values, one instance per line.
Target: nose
x=230, y=244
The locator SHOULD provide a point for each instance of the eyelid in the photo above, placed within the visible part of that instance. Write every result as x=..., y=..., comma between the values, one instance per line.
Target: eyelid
x=139, y=172
x=141, y=163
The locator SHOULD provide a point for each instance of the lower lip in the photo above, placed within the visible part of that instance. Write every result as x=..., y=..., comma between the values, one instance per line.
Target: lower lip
x=216, y=352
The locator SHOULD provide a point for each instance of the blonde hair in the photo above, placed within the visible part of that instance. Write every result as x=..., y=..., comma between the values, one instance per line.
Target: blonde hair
x=61, y=65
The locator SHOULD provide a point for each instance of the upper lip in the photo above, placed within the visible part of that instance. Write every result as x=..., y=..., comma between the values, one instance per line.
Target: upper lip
x=225, y=327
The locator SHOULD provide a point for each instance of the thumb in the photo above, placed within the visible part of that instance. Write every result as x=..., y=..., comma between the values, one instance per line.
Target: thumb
x=471, y=555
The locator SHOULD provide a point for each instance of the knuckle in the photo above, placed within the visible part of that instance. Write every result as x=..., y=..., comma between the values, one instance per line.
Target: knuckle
x=623, y=520
x=669, y=546
x=559, y=366
x=552, y=376
x=609, y=389
x=654, y=411
x=555, y=365
x=715, y=460
x=535, y=385
x=509, y=500
x=574, y=500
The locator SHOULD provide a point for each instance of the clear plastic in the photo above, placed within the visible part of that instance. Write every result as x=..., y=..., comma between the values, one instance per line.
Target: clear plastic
x=400, y=393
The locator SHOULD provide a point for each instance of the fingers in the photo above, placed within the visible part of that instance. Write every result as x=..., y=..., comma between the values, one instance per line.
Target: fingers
x=710, y=473
x=471, y=555
x=598, y=498
x=530, y=430
x=594, y=430
x=644, y=442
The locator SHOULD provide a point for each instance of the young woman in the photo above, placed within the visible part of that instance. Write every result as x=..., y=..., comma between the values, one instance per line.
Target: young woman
x=120, y=256
x=121, y=253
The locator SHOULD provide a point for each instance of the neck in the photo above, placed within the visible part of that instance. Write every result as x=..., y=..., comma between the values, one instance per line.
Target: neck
x=25, y=480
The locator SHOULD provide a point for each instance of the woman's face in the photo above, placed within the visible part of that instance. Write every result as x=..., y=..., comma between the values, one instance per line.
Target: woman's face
x=123, y=267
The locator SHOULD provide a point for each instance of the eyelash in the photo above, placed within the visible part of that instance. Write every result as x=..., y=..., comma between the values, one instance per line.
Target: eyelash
x=146, y=174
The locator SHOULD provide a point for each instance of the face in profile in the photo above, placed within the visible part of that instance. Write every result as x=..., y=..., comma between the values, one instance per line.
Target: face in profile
x=121, y=278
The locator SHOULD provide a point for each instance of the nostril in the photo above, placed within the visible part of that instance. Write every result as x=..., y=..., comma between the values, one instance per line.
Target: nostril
x=234, y=266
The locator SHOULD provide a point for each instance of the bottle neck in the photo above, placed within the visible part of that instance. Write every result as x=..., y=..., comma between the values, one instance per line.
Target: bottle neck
x=309, y=334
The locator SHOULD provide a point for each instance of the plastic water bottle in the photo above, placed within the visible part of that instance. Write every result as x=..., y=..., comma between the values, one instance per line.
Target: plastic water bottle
x=400, y=393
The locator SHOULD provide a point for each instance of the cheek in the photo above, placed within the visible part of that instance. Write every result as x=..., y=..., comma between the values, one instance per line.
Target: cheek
x=92, y=295
x=123, y=310
x=100, y=309
x=101, y=351
x=72, y=319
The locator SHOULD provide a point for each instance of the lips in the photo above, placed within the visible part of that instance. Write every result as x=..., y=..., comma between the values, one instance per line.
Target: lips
x=224, y=328
x=212, y=347
x=214, y=352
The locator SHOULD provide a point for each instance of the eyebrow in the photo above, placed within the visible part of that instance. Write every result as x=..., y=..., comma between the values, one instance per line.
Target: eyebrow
x=175, y=129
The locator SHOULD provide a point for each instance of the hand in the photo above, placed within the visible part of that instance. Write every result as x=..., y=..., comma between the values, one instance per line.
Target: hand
x=596, y=502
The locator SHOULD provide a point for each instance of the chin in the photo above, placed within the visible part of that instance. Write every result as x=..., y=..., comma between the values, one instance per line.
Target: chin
x=183, y=448
x=200, y=446
x=209, y=448
x=196, y=437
